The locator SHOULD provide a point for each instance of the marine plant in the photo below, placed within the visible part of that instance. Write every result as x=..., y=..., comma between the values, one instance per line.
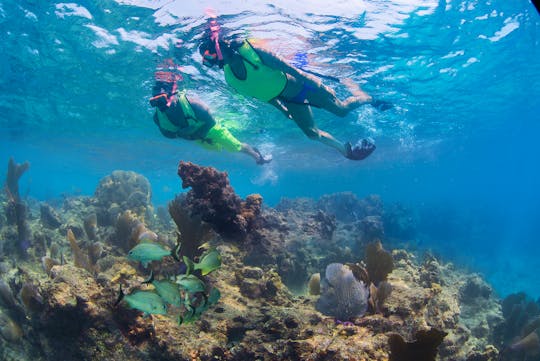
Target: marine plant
x=424, y=348
x=192, y=231
x=519, y=334
x=81, y=258
x=351, y=290
x=379, y=262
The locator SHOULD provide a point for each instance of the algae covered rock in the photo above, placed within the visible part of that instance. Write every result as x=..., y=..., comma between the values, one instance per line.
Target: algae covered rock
x=214, y=200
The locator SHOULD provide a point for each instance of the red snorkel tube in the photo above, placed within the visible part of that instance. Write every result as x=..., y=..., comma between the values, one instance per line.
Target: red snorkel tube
x=214, y=36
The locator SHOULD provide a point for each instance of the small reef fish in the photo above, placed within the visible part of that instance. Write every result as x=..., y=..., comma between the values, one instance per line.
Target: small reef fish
x=146, y=301
x=147, y=252
x=194, y=313
x=214, y=296
x=167, y=290
x=190, y=283
x=209, y=262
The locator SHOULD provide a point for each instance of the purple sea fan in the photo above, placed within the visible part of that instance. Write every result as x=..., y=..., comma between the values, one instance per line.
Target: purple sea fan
x=342, y=295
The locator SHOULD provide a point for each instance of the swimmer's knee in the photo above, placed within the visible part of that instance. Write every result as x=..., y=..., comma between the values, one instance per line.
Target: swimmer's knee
x=312, y=133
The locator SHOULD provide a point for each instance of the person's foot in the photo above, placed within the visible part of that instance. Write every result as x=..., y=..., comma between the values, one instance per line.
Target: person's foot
x=359, y=95
x=260, y=160
x=359, y=151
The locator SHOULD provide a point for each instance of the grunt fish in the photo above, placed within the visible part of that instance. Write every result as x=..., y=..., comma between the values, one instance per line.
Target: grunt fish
x=145, y=301
x=190, y=283
x=210, y=261
x=167, y=290
x=147, y=252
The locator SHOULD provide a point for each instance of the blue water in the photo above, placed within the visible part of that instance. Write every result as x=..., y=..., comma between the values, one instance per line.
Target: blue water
x=459, y=148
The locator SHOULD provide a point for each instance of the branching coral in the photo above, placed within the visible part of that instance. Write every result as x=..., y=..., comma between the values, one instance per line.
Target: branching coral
x=16, y=208
x=15, y=171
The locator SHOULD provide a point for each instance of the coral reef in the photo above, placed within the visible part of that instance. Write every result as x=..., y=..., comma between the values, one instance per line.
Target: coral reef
x=59, y=302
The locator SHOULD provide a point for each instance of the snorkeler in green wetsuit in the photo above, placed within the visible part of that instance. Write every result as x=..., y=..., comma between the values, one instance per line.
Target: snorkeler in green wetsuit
x=259, y=73
x=178, y=116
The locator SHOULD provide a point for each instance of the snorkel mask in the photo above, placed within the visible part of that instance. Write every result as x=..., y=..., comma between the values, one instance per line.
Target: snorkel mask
x=166, y=76
x=210, y=49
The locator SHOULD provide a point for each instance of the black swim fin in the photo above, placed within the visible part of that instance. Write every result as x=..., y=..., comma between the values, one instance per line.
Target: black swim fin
x=359, y=151
x=536, y=4
x=381, y=105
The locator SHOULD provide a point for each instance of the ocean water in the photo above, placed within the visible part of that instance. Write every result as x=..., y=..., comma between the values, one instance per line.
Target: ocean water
x=459, y=149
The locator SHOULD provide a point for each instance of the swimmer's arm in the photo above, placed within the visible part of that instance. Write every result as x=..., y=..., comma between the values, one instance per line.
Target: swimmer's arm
x=202, y=113
x=165, y=132
x=275, y=61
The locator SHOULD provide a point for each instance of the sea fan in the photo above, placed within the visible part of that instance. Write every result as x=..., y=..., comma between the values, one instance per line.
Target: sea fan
x=342, y=295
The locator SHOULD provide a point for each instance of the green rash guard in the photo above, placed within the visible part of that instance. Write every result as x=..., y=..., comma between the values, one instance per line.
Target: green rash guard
x=262, y=82
x=179, y=121
x=217, y=138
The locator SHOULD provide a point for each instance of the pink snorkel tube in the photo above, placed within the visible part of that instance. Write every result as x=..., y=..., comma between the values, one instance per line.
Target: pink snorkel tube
x=214, y=29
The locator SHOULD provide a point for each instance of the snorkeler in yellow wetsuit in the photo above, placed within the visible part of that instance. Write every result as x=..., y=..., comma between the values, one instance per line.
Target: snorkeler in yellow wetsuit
x=256, y=72
x=180, y=117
